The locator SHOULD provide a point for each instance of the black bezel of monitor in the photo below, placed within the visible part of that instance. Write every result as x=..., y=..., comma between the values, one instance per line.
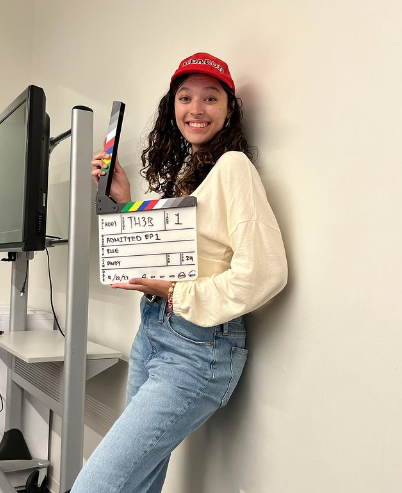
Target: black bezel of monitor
x=33, y=222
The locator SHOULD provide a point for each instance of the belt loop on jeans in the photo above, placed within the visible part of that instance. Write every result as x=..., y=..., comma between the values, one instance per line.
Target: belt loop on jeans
x=226, y=328
x=162, y=310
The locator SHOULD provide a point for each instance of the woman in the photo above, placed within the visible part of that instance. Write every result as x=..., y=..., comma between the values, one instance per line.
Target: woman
x=189, y=351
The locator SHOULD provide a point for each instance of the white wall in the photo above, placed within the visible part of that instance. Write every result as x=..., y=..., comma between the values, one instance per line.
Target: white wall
x=320, y=403
x=16, y=34
x=16, y=31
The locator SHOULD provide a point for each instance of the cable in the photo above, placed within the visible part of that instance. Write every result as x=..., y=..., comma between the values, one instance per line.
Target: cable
x=51, y=293
x=22, y=292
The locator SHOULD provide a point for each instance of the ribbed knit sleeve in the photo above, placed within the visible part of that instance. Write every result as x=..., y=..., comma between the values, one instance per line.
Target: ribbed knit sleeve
x=233, y=215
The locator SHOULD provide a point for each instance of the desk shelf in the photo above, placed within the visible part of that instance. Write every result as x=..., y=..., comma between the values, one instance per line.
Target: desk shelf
x=45, y=346
x=38, y=366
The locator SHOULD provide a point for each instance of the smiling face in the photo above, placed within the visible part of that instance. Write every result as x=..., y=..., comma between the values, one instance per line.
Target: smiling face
x=201, y=108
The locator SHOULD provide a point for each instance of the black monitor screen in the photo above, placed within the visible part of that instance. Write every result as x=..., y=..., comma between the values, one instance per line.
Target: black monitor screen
x=12, y=167
x=24, y=161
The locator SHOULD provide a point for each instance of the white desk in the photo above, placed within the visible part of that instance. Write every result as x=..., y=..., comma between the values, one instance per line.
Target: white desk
x=38, y=366
x=44, y=346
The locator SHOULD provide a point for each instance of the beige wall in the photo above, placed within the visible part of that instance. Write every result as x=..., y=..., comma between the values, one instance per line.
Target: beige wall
x=16, y=36
x=320, y=404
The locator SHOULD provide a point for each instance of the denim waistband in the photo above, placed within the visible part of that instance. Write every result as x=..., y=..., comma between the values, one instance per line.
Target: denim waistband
x=225, y=326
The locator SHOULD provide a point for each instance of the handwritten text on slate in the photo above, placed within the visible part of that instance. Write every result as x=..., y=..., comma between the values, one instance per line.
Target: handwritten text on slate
x=156, y=244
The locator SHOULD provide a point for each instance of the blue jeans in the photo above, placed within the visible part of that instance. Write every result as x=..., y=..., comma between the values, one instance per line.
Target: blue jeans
x=179, y=375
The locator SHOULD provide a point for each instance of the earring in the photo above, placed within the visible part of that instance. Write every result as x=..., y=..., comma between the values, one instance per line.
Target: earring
x=227, y=123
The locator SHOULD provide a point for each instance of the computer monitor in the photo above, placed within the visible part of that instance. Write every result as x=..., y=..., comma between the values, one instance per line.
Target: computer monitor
x=24, y=162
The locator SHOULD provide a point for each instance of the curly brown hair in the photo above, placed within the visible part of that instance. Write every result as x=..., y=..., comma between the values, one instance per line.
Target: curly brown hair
x=167, y=149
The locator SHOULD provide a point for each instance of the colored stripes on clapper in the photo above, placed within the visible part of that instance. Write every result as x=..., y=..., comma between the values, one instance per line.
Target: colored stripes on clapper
x=111, y=133
x=147, y=205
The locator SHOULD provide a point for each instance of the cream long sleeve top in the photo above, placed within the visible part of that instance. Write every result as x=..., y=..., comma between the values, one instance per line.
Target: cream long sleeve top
x=241, y=257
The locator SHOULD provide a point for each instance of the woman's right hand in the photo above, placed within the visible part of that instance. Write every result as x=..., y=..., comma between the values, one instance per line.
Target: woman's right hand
x=120, y=188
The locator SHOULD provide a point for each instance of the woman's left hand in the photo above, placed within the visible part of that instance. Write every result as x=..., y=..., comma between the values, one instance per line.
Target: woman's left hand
x=148, y=286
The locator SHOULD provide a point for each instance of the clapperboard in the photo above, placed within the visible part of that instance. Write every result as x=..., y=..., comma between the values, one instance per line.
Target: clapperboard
x=155, y=239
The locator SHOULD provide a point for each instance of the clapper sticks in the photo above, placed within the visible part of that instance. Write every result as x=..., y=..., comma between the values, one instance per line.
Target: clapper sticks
x=155, y=239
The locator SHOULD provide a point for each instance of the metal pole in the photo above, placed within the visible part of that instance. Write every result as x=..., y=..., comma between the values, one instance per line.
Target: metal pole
x=77, y=297
x=18, y=321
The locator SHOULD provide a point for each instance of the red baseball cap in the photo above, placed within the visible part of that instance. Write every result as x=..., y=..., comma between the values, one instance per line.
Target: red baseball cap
x=204, y=63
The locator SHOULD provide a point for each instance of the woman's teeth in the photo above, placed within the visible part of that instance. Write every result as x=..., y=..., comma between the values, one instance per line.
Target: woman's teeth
x=198, y=125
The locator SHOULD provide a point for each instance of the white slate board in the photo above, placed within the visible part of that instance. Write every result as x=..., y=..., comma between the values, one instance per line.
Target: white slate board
x=160, y=243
